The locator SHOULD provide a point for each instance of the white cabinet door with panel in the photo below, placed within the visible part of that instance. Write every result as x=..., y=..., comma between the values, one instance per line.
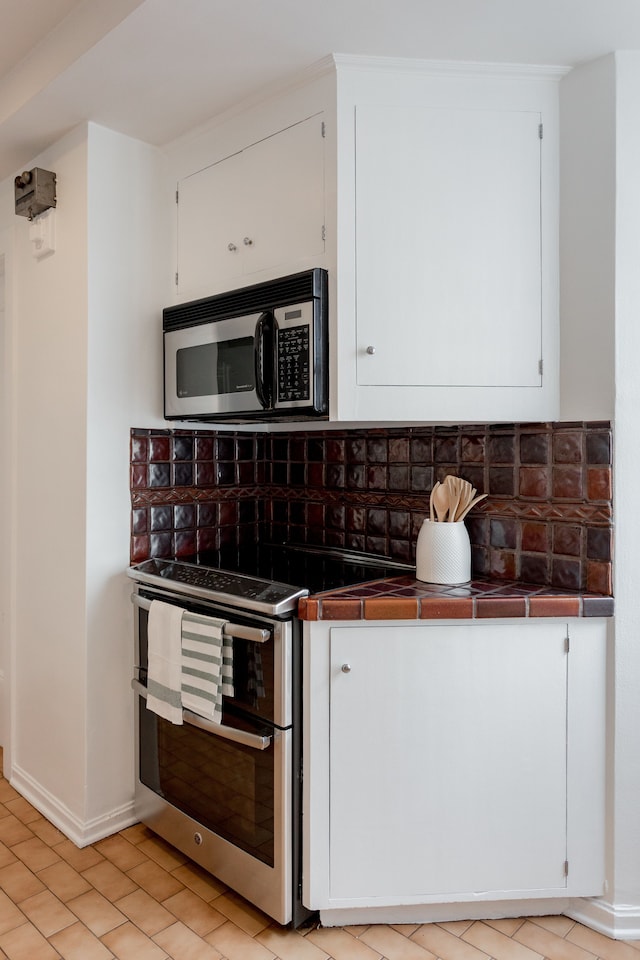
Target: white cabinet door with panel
x=448, y=763
x=447, y=259
x=455, y=194
x=259, y=209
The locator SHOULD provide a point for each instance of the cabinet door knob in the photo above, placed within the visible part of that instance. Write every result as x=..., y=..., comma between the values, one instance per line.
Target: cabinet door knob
x=231, y=247
x=346, y=668
x=247, y=241
x=371, y=351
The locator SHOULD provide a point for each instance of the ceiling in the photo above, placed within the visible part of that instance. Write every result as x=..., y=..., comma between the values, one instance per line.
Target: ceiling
x=155, y=69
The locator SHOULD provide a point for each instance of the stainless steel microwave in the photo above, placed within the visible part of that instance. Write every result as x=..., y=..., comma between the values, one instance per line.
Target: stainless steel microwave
x=258, y=353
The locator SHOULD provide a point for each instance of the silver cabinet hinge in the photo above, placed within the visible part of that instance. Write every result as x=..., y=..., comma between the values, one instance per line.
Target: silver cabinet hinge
x=567, y=643
x=540, y=131
x=566, y=868
x=323, y=129
x=176, y=278
x=176, y=196
x=324, y=232
x=540, y=366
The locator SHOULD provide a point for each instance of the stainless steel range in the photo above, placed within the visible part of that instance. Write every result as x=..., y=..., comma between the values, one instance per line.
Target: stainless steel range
x=228, y=793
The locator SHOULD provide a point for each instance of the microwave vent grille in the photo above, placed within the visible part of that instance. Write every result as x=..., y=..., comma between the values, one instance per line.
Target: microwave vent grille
x=296, y=288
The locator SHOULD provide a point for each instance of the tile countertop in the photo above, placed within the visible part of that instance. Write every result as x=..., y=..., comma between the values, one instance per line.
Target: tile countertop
x=404, y=598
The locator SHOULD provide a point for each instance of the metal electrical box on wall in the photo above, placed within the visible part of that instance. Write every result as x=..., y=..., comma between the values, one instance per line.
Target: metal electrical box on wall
x=35, y=192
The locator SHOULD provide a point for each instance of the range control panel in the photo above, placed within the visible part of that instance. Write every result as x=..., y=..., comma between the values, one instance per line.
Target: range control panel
x=294, y=353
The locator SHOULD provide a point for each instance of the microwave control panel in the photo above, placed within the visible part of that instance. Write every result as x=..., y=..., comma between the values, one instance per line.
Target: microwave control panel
x=294, y=353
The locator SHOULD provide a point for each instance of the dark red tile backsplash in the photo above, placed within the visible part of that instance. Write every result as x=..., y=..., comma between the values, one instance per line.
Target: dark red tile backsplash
x=547, y=518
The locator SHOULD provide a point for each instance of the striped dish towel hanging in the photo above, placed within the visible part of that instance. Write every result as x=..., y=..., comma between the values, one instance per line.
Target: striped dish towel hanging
x=207, y=665
x=164, y=674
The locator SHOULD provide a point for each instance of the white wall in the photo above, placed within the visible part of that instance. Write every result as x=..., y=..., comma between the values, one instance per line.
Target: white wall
x=127, y=272
x=50, y=330
x=601, y=345
x=83, y=374
x=626, y=472
x=5, y=516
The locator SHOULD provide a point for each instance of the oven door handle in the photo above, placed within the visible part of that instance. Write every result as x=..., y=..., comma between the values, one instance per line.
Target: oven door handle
x=232, y=630
x=253, y=740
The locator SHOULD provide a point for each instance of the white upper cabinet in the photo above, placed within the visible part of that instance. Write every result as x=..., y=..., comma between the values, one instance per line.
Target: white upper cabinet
x=448, y=251
x=252, y=212
x=447, y=243
x=432, y=202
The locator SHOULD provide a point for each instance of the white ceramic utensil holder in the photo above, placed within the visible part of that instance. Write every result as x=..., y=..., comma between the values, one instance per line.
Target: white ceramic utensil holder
x=443, y=553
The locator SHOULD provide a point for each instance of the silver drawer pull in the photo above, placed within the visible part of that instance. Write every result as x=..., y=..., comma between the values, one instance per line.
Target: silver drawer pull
x=233, y=630
x=253, y=740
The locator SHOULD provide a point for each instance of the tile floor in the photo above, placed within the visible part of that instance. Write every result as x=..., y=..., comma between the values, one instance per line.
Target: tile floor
x=133, y=897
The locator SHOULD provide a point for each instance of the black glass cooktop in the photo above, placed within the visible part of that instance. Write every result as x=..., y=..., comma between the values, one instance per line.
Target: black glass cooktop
x=269, y=578
x=314, y=568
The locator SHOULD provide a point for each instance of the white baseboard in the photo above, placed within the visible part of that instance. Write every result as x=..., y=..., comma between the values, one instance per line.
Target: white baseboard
x=618, y=921
x=80, y=832
x=442, y=912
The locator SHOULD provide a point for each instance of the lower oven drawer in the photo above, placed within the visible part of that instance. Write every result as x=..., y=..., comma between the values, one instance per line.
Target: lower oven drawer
x=225, y=804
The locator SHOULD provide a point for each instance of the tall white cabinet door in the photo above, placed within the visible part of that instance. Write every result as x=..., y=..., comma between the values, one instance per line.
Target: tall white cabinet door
x=448, y=762
x=448, y=246
x=257, y=210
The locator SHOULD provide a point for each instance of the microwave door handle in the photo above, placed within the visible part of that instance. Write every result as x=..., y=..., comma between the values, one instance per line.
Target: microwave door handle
x=261, y=356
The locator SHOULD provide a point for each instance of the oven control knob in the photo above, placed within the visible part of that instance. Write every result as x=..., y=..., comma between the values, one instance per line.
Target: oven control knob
x=346, y=668
x=197, y=839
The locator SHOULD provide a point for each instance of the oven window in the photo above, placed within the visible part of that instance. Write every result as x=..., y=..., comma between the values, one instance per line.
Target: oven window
x=210, y=369
x=226, y=787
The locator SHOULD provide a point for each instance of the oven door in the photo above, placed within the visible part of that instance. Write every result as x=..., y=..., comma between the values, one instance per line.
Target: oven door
x=222, y=793
x=216, y=369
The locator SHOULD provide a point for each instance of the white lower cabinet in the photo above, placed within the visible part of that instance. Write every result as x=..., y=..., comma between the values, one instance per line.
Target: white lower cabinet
x=448, y=762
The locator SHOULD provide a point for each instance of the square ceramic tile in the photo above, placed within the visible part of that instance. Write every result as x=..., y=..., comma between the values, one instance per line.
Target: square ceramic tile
x=109, y=881
x=289, y=944
x=120, y=852
x=498, y=945
x=194, y=912
x=47, y=913
x=341, y=945
x=78, y=943
x=235, y=944
x=393, y=945
x=181, y=943
x=126, y=942
x=549, y=944
x=63, y=880
x=241, y=913
x=27, y=943
x=96, y=912
x=10, y=916
x=19, y=883
x=156, y=881
x=445, y=945
x=35, y=854
x=145, y=912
